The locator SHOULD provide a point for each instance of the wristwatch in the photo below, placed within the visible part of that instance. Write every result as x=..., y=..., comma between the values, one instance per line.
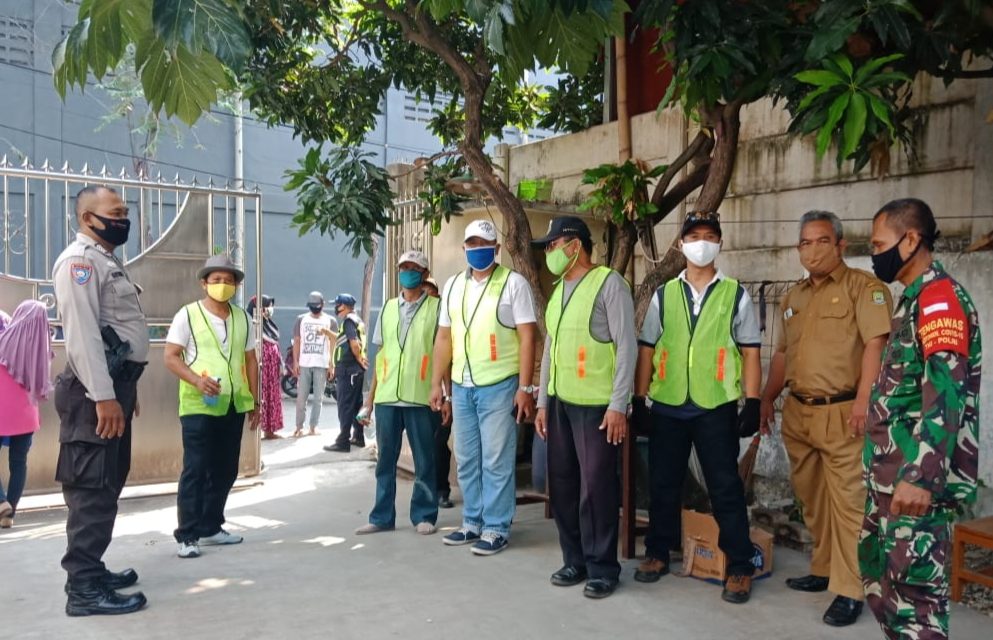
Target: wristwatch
x=529, y=389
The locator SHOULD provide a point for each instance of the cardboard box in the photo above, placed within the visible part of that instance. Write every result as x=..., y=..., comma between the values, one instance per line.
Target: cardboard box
x=704, y=558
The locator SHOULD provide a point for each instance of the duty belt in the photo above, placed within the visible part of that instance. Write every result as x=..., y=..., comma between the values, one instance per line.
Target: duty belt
x=129, y=371
x=814, y=401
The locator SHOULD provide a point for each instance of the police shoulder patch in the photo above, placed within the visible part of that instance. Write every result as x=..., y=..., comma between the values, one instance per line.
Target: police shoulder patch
x=80, y=272
x=941, y=321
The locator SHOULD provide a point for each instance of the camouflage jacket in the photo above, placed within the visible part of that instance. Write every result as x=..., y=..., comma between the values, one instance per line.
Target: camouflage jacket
x=923, y=425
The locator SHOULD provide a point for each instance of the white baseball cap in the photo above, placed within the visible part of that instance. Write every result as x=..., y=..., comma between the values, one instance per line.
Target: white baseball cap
x=481, y=229
x=415, y=256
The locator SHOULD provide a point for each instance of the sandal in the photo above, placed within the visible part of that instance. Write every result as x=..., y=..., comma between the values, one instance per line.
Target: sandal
x=298, y=433
x=5, y=509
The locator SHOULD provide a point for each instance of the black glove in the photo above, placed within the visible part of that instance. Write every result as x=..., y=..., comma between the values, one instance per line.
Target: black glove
x=749, y=418
x=641, y=416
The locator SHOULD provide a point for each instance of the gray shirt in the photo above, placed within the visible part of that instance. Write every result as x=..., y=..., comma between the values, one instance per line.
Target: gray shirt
x=93, y=291
x=617, y=326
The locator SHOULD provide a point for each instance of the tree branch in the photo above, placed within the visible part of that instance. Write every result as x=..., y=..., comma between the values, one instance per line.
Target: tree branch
x=693, y=181
x=696, y=150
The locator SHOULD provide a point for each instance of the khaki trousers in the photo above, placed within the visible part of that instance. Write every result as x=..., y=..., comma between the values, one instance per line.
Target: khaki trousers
x=826, y=471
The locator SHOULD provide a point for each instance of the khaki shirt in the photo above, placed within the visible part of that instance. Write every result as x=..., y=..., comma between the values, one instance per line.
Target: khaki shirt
x=823, y=329
x=93, y=291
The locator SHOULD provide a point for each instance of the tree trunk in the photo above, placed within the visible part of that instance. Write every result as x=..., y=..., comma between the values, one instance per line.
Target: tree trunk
x=367, y=283
x=727, y=126
x=672, y=263
x=625, y=239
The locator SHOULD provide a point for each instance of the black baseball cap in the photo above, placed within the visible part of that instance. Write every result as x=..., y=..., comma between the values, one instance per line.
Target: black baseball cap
x=710, y=219
x=563, y=226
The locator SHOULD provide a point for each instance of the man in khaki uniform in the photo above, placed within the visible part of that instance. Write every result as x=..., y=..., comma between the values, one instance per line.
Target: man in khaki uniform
x=833, y=327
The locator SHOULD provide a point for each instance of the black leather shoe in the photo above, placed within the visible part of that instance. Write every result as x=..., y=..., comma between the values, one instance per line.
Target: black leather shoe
x=810, y=584
x=92, y=598
x=115, y=581
x=568, y=576
x=599, y=587
x=445, y=502
x=338, y=448
x=843, y=612
x=357, y=443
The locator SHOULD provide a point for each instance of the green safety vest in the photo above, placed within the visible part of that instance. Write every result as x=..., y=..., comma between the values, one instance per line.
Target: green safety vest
x=342, y=342
x=581, y=367
x=701, y=363
x=480, y=343
x=403, y=367
x=210, y=360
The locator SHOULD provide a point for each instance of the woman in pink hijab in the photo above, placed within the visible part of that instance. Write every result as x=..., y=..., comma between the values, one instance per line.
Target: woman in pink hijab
x=25, y=367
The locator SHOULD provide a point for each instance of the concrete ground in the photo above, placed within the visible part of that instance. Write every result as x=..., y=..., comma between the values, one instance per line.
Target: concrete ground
x=302, y=573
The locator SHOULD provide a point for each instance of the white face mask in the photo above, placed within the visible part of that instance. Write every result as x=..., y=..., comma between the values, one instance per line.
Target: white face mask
x=701, y=252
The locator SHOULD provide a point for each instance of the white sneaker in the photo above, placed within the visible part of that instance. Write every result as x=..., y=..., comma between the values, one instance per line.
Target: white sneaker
x=221, y=537
x=189, y=550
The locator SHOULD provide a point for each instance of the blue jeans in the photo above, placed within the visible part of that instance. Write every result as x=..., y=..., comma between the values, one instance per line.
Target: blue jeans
x=18, y=462
x=391, y=422
x=486, y=453
x=311, y=382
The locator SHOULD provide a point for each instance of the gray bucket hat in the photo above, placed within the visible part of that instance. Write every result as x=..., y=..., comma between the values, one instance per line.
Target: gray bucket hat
x=220, y=262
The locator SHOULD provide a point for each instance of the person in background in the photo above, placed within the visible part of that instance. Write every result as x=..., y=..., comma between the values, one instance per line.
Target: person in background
x=211, y=349
x=699, y=354
x=313, y=335
x=25, y=371
x=486, y=334
x=350, y=365
x=271, y=393
x=834, y=325
x=5, y=318
x=401, y=390
x=106, y=342
x=587, y=370
x=921, y=454
x=442, y=431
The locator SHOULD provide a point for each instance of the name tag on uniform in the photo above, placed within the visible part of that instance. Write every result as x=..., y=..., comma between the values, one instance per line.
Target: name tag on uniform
x=788, y=314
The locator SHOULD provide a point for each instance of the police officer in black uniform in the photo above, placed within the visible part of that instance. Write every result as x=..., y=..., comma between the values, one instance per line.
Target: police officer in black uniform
x=350, y=365
x=106, y=341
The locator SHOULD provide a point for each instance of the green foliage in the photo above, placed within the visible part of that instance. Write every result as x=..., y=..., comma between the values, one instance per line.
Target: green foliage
x=737, y=52
x=342, y=191
x=620, y=192
x=857, y=100
x=576, y=103
x=440, y=202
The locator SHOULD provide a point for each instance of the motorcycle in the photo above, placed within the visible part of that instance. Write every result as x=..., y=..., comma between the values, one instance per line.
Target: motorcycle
x=289, y=381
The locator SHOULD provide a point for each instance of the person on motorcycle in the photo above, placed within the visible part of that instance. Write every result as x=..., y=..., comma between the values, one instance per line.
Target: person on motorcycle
x=313, y=335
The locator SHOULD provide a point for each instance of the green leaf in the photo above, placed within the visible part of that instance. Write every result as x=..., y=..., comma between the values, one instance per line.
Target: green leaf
x=880, y=110
x=820, y=78
x=830, y=40
x=214, y=25
x=494, y=31
x=844, y=63
x=854, y=124
x=810, y=97
x=874, y=65
x=836, y=110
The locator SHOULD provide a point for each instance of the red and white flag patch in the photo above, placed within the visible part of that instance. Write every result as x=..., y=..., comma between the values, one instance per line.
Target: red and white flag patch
x=942, y=324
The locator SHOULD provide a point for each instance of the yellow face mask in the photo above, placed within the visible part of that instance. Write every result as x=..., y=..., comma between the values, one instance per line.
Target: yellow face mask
x=220, y=291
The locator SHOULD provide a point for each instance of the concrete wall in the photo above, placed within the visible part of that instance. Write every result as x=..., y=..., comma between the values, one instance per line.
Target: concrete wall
x=778, y=177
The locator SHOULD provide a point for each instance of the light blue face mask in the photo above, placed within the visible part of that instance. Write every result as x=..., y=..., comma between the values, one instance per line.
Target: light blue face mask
x=481, y=258
x=411, y=279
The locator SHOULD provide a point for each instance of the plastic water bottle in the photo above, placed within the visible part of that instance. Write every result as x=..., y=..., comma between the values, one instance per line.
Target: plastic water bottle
x=363, y=416
x=210, y=401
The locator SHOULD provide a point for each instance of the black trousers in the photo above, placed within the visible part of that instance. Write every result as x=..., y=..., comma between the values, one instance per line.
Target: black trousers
x=92, y=471
x=349, y=380
x=715, y=437
x=211, y=449
x=583, y=488
x=442, y=455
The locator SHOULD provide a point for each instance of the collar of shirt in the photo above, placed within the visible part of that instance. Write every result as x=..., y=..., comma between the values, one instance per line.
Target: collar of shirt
x=698, y=295
x=87, y=240
x=415, y=303
x=914, y=288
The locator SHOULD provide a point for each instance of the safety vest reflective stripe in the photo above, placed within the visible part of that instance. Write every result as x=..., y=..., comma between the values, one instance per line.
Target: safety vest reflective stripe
x=700, y=363
x=481, y=345
x=210, y=361
x=342, y=342
x=403, y=367
x=582, y=367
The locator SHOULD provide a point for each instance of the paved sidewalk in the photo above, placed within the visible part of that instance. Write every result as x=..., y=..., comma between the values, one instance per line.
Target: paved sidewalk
x=301, y=573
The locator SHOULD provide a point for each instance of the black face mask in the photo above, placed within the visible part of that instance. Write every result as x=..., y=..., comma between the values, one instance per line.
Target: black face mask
x=315, y=308
x=115, y=230
x=888, y=263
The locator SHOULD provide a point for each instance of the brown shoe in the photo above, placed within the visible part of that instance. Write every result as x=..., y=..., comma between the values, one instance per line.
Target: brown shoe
x=737, y=589
x=651, y=569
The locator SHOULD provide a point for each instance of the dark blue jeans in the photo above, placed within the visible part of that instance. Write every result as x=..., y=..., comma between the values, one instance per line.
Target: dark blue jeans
x=211, y=449
x=391, y=422
x=18, y=462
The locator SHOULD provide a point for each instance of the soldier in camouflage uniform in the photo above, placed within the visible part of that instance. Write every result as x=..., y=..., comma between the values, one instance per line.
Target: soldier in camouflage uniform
x=921, y=450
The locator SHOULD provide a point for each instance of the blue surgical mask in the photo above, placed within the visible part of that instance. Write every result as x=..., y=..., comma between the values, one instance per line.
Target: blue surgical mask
x=411, y=279
x=481, y=258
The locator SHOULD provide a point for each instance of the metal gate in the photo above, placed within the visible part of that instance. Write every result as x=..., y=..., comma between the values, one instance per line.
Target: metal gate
x=179, y=225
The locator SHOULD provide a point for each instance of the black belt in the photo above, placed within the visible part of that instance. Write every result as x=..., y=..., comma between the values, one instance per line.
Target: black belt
x=129, y=371
x=812, y=401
